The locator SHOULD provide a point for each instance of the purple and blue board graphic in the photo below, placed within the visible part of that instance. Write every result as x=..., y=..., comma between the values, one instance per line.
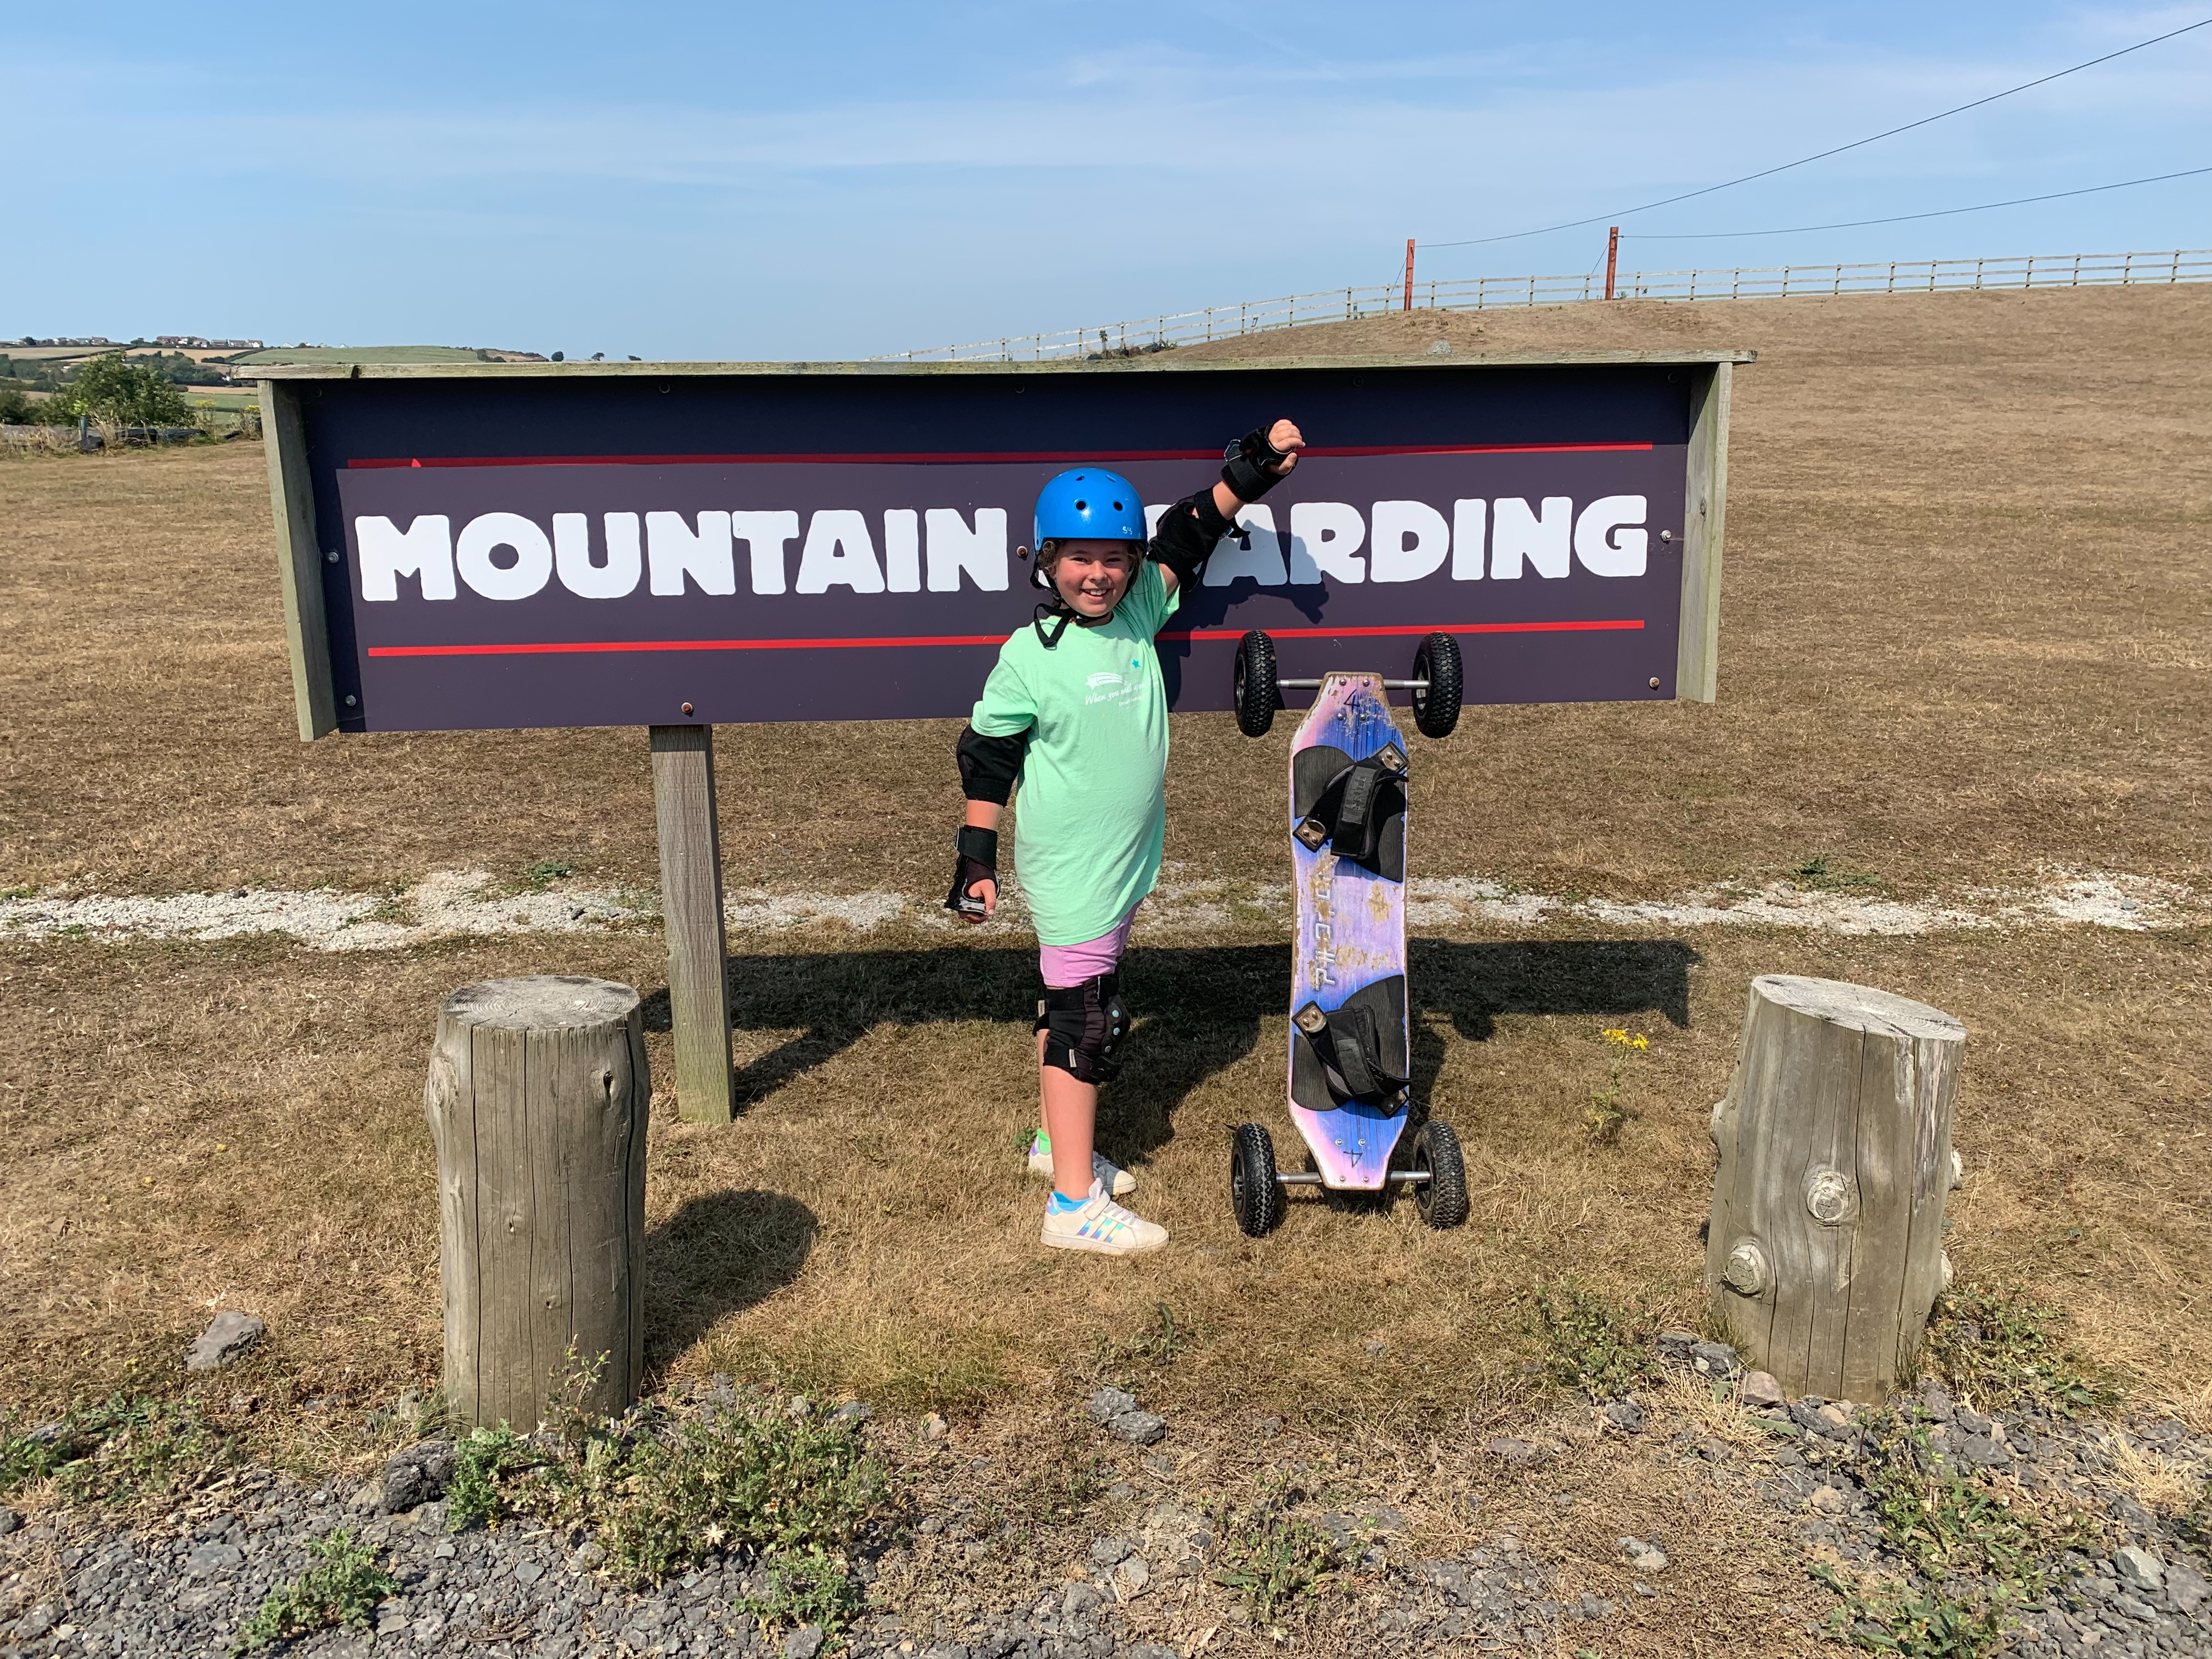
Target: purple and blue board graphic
x=1351, y=934
x=653, y=544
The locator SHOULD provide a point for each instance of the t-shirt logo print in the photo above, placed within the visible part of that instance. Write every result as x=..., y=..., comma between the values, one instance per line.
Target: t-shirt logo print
x=1107, y=686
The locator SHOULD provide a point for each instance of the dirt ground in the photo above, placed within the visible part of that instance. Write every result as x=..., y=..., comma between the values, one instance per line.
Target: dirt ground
x=1965, y=643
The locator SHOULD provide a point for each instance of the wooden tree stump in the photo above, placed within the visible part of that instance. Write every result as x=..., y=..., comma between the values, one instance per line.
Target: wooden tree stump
x=1825, y=1250
x=537, y=1101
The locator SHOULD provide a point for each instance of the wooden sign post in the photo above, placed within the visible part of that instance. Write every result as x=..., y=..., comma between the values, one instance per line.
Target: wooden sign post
x=691, y=918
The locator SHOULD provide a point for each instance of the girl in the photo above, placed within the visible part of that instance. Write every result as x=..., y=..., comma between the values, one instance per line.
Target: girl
x=1076, y=711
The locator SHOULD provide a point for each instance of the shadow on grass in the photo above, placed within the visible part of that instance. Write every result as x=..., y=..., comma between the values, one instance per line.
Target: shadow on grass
x=718, y=1254
x=1198, y=1009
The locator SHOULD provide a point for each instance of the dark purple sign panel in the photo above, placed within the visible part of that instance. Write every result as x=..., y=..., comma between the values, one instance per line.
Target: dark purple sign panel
x=615, y=591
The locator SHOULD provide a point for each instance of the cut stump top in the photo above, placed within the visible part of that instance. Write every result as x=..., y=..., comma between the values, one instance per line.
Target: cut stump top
x=1859, y=1008
x=544, y=1002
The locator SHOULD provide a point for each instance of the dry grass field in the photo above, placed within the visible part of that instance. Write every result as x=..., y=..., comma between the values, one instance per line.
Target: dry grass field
x=1965, y=644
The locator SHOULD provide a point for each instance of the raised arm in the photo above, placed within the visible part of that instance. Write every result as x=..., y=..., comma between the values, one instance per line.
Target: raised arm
x=1189, y=530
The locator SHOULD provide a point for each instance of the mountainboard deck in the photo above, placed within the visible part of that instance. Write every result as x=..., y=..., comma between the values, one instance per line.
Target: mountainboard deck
x=1351, y=938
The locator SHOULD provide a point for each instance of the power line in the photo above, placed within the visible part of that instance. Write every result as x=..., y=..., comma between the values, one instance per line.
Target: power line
x=1857, y=143
x=1898, y=219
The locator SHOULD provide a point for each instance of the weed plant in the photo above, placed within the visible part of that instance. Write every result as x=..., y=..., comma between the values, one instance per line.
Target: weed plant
x=340, y=1587
x=1271, y=1559
x=1605, y=1116
x=118, y=1449
x=810, y=1586
x=1911, y=1622
x=2005, y=1352
x=1593, y=1344
x=659, y=1494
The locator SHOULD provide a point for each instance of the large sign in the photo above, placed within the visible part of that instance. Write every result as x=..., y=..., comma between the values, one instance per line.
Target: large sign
x=650, y=545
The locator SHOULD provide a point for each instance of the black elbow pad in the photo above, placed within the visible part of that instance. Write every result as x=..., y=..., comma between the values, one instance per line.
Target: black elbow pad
x=1188, y=534
x=988, y=766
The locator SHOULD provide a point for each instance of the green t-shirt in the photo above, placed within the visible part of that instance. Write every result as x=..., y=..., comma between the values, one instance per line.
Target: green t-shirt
x=1093, y=802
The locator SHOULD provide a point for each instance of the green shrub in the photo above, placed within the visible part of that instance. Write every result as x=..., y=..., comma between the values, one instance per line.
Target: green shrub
x=117, y=1449
x=2004, y=1352
x=340, y=1587
x=811, y=1588
x=1913, y=1623
x=660, y=1495
x=760, y=1481
x=483, y=1461
x=114, y=389
x=1594, y=1344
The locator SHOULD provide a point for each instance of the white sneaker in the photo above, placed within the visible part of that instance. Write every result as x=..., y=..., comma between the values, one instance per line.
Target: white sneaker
x=1101, y=1224
x=1118, y=1182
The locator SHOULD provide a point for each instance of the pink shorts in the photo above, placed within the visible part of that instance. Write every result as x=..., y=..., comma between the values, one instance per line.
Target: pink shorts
x=1065, y=966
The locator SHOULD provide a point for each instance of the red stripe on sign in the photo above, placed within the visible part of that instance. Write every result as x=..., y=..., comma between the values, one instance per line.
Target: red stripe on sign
x=560, y=648
x=1430, y=628
x=557, y=648
x=980, y=457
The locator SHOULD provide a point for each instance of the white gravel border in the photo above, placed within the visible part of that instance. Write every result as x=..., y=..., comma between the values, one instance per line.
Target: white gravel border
x=469, y=904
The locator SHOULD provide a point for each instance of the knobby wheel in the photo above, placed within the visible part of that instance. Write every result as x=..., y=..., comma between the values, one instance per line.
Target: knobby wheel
x=1442, y=1199
x=1436, y=706
x=1253, y=1188
x=1258, y=694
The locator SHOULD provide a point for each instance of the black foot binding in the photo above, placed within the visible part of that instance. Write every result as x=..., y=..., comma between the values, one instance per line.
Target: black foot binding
x=1354, y=1055
x=1253, y=1188
x=1355, y=808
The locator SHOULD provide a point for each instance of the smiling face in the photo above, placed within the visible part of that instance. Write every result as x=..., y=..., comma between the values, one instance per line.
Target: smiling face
x=1092, y=577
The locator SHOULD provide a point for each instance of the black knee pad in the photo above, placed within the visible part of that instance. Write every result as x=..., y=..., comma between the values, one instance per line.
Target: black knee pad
x=1083, y=1027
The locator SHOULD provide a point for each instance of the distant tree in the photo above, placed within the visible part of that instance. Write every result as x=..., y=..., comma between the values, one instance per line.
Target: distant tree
x=16, y=410
x=112, y=388
x=559, y=356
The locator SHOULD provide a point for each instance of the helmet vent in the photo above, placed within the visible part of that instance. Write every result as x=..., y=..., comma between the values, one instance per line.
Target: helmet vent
x=1083, y=507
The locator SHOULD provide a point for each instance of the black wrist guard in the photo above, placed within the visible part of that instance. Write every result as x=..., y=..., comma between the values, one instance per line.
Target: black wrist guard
x=1189, y=532
x=1252, y=466
x=978, y=852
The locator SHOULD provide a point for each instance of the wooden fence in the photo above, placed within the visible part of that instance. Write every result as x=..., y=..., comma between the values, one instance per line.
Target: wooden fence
x=1482, y=293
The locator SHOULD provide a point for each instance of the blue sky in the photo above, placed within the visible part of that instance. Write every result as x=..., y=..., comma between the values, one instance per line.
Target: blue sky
x=760, y=181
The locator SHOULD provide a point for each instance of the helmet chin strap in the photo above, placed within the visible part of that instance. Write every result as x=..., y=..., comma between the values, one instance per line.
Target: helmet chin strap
x=1057, y=609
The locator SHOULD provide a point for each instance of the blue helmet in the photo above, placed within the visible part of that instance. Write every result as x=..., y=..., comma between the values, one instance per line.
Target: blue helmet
x=1089, y=503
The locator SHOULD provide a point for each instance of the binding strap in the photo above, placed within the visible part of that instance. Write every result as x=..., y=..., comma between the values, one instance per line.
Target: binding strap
x=1353, y=803
x=1348, y=1042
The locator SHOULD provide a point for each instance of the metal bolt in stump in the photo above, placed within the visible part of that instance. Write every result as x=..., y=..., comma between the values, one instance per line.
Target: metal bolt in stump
x=1826, y=1249
x=537, y=1100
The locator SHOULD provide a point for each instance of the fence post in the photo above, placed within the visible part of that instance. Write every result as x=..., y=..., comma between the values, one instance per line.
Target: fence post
x=1612, y=253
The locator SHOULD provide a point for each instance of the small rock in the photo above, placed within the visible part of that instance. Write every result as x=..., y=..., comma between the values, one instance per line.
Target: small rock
x=415, y=1476
x=1760, y=1388
x=9, y=1522
x=852, y=1412
x=209, y=1559
x=1828, y=1500
x=1716, y=1357
x=2140, y=1569
x=1644, y=1555
x=1676, y=1345
x=1972, y=1421
x=370, y=1496
x=1105, y=1551
x=1107, y=1404
x=1935, y=1401
x=1138, y=1428
x=933, y=1427
x=2185, y=1589
x=528, y=1572
x=1626, y=1416
x=1374, y=1347
x=229, y=1334
x=804, y=1643
x=1130, y=1575
x=585, y=1558
x=243, y=1405
x=799, y=1409
x=1078, y=1598
x=1510, y=1451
